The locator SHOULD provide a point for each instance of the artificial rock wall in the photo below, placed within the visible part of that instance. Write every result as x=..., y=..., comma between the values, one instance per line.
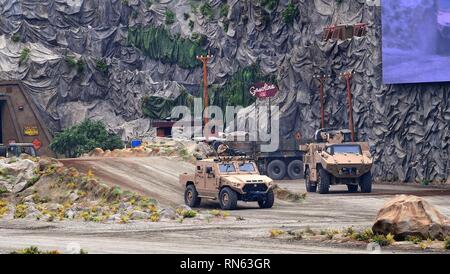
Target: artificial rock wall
x=408, y=126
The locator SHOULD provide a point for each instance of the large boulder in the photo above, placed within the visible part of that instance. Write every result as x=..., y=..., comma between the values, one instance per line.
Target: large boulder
x=15, y=173
x=411, y=216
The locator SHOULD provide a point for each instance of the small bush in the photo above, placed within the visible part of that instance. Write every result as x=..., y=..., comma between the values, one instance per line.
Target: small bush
x=148, y=3
x=447, y=243
x=290, y=13
x=383, y=240
x=414, y=239
x=276, y=232
x=3, y=208
x=207, y=11
x=170, y=17
x=364, y=236
x=186, y=16
x=155, y=217
x=24, y=56
x=101, y=65
x=224, y=9
x=20, y=211
x=189, y=213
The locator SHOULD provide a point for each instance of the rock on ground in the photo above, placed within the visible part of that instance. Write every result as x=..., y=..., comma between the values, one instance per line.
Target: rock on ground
x=411, y=216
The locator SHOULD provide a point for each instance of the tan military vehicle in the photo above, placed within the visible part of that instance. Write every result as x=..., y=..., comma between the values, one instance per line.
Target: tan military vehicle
x=334, y=159
x=227, y=179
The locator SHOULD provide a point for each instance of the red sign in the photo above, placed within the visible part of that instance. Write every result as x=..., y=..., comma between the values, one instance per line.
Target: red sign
x=264, y=90
x=37, y=144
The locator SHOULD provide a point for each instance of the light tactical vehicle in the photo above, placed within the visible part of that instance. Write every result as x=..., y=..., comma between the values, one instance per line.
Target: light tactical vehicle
x=227, y=179
x=16, y=149
x=334, y=159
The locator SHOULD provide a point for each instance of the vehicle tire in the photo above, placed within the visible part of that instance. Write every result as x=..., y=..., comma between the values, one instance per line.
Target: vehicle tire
x=366, y=183
x=276, y=170
x=310, y=187
x=324, y=181
x=228, y=199
x=191, y=196
x=268, y=201
x=352, y=188
x=295, y=170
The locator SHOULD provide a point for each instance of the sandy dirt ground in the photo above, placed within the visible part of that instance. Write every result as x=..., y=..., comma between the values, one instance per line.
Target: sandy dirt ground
x=158, y=178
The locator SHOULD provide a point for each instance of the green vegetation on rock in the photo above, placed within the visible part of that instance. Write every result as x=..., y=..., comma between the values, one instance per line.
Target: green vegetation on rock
x=207, y=11
x=24, y=56
x=101, y=65
x=170, y=17
x=290, y=13
x=270, y=4
x=83, y=138
x=159, y=44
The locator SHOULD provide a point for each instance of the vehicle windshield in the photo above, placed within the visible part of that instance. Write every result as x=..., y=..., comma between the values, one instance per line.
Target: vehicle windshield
x=444, y=4
x=247, y=167
x=349, y=149
x=227, y=168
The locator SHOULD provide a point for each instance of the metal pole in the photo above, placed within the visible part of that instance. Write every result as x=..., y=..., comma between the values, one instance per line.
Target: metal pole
x=205, y=60
x=348, y=75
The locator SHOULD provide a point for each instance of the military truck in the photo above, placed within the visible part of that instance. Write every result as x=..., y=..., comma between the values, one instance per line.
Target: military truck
x=334, y=159
x=285, y=162
x=228, y=180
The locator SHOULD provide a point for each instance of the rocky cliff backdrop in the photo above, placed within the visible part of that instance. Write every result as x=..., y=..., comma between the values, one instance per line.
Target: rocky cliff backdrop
x=102, y=58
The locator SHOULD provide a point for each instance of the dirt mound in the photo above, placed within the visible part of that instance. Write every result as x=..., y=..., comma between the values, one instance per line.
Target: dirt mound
x=406, y=216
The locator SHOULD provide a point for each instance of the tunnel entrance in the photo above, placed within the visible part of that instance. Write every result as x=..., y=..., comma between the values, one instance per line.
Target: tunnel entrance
x=20, y=120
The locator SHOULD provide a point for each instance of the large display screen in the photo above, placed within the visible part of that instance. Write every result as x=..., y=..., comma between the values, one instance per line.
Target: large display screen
x=416, y=41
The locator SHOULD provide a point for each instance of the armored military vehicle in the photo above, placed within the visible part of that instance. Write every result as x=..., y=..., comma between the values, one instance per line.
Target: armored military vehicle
x=334, y=159
x=227, y=179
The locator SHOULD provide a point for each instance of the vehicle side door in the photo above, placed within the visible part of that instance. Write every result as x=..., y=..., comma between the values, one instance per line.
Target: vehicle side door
x=211, y=179
x=200, y=178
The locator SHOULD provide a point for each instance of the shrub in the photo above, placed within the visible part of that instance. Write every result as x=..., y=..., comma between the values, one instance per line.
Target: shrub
x=364, y=236
x=414, y=239
x=276, y=232
x=224, y=9
x=24, y=56
x=3, y=208
x=20, y=211
x=189, y=213
x=289, y=13
x=170, y=17
x=83, y=138
x=447, y=243
x=207, y=11
x=101, y=65
x=186, y=16
x=383, y=240
x=148, y=3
